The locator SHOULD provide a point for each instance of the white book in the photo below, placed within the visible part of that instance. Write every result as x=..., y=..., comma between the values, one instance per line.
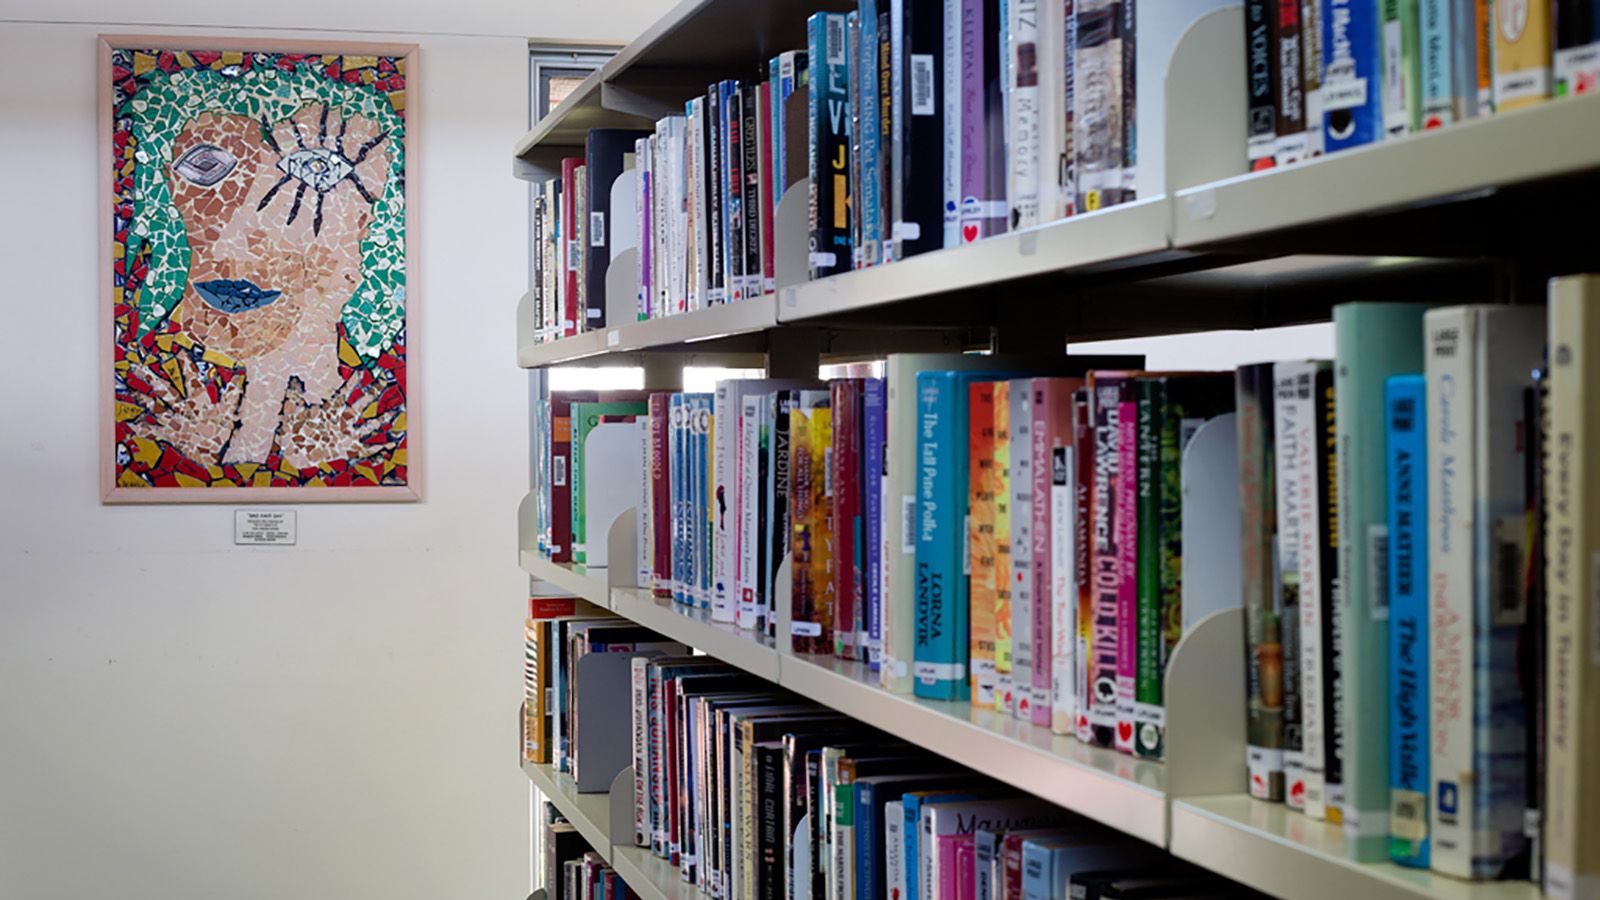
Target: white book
x=1021, y=487
x=894, y=849
x=748, y=502
x=1063, y=588
x=724, y=476
x=1293, y=434
x=644, y=162
x=1024, y=117
x=641, y=745
x=952, y=122
x=1477, y=365
x=694, y=204
x=678, y=214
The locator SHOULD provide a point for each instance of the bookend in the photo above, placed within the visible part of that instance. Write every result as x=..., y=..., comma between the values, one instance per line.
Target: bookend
x=791, y=231
x=622, y=545
x=527, y=539
x=622, y=290
x=525, y=320
x=1204, y=693
x=1205, y=97
x=612, y=467
x=624, y=225
x=603, y=740
x=622, y=811
x=782, y=603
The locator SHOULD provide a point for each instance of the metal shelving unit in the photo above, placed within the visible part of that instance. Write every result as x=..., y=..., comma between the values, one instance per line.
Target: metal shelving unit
x=591, y=813
x=586, y=585
x=695, y=628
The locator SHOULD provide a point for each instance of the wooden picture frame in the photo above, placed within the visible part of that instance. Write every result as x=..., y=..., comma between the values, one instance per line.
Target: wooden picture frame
x=360, y=415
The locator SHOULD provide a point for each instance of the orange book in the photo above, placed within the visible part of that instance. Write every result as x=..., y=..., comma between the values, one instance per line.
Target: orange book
x=1003, y=699
x=982, y=480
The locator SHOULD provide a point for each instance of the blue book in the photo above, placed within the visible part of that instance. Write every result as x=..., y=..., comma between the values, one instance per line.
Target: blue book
x=939, y=669
x=1352, y=81
x=730, y=196
x=874, y=437
x=775, y=123
x=869, y=116
x=679, y=465
x=985, y=849
x=912, y=803
x=828, y=162
x=699, y=505
x=1036, y=869
x=1404, y=397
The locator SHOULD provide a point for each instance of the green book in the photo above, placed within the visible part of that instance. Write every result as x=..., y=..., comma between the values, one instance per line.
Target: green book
x=585, y=416
x=1147, y=561
x=1402, y=75
x=1372, y=342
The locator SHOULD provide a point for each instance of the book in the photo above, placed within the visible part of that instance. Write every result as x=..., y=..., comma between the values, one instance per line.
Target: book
x=1289, y=99
x=605, y=156
x=1407, y=451
x=1477, y=364
x=874, y=549
x=1401, y=82
x=716, y=165
x=1264, y=659
x=917, y=188
x=829, y=145
x=777, y=415
x=811, y=547
x=1522, y=54
x=1261, y=108
x=1004, y=678
x=873, y=795
x=1102, y=76
x=1374, y=341
x=735, y=223
x=1103, y=651
x=751, y=205
x=1083, y=436
x=1056, y=556
x=1145, y=712
x=1126, y=499
x=571, y=272
x=1575, y=63
x=1311, y=72
x=867, y=95
x=982, y=483
x=559, y=541
x=1294, y=453
x=586, y=416
x=1352, y=74
x=1572, y=788
x=1019, y=485
x=844, y=462
x=943, y=817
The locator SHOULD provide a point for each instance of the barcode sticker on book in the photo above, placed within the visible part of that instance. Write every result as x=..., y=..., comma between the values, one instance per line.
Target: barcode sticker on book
x=597, y=229
x=1378, y=570
x=932, y=672
x=1508, y=589
x=1408, y=814
x=805, y=629
x=558, y=471
x=827, y=471
x=966, y=545
x=835, y=40
x=908, y=524
x=922, y=84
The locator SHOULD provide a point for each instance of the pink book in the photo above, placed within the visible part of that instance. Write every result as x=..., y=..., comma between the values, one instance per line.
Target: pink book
x=1127, y=566
x=966, y=872
x=949, y=881
x=660, y=494
x=1051, y=428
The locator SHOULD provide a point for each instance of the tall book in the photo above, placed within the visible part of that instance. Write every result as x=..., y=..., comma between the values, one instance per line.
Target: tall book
x=1260, y=85
x=1352, y=73
x=874, y=447
x=1105, y=392
x=571, y=272
x=1128, y=540
x=917, y=189
x=736, y=221
x=1004, y=683
x=1575, y=66
x=1058, y=400
x=605, y=154
x=1572, y=785
x=716, y=192
x=1311, y=71
x=1522, y=54
x=868, y=95
x=750, y=170
x=982, y=486
x=829, y=147
x=1294, y=436
x=1083, y=437
x=1401, y=84
x=951, y=78
x=811, y=547
x=1020, y=485
x=1374, y=341
x=1290, y=146
x=1405, y=403
x=1478, y=362
x=1264, y=738
x=844, y=460
x=1050, y=410
x=1102, y=96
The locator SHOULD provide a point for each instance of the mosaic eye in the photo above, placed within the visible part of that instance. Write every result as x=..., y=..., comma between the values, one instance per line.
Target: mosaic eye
x=205, y=165
x=316, y=167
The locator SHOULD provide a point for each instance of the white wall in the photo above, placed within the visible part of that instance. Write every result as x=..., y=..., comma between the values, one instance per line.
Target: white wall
x=182, y=718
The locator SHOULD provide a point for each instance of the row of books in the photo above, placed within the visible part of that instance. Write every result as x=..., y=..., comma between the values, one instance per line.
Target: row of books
x=1326, y=75
x=1407, y=511
x=756, y=793
x=919, y=125
x=572, y=870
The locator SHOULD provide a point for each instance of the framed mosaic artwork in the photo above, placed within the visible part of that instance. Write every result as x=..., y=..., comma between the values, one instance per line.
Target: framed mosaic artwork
x=257, y=270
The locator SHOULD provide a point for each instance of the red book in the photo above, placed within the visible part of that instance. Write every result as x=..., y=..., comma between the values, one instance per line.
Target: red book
x=570, y=314
x=769, y=197
x=550, y=607
x=1051, y=429
x=849, y=590
x=660, y=497
x=560, y=469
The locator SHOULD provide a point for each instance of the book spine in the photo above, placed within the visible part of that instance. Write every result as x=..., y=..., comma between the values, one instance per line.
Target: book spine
x=954, y=97
x=706, y=509
x=1103, y=624
x=894, y=849
x=1319, y=574
x=971, y=59
x=570, y=258
x=695, y=175
x=1352, y=77
x=716, y=236
x=678, y=468
x=866, y=92
x=884, y=164
x=1290, y=104
x=1293, y=443
x=1084, y=548
x=1572, y=786
x=823, y=524
x=750, y=189
x=1069, y=96
x=1035, y=871
x=940, y=658
x=724, y=481
x=1263, y=644
x=738, y=224
x=872, y=471
x=1023, y=113
x=1408, y=621
x=641, y=724
x=806, y=631
x=1147, y=710
x=580, y=244
x=1575, y=66
x=852, y=117
x=1311, y=70
x=1396, y=115
x=1004, y=682
x=1434, y=65
x=1522, y=54
x=1127, y=524
x=983, y=851
x=782, y=517
x=1020, y=485
x=769, y=772
x=1261, y=109
x=829, y=159
x=644, y=529
x=981, y=589
x=1464, y=41
x=768, y=188
x=919, y=171
x=748, y=503
x=1483, y=29
x=1064, y=570
x=1040, y=411
x=844, y=465
x=1127, y=37
x=560, y=484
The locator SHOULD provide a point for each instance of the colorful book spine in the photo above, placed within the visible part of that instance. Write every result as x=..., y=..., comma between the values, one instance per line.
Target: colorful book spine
x=1022, y=582
x=982, y=482
x=1321, y=615
x=873, y=449
x=1290, y=104
x=1311, y=72
x=844, y=475
x=1127, y=524
x=806, y=469
x=779, y=499
x=1481, y=357
x=750, y=193
x=1405, y=400
x=1146, y=711
x=571, y=259
x=644, y=529
x=1352, y=79
x=1260, y=106
x=750, y=509
x=1522, y=53
x=940, y=663
x=972, y=216
x=1084, y=549
x=1101, y=82
x=1575, y=64
x=1435, y=85
x=1572, y=784
x=1294, y=436
x=737, y=222
x=1004, y=683
x=1105, y=411
x=828, y=165
x=715, y=165
x=1051, y=409
x=1263, y=636
x=700, y=427
x=954, y=102
x=1401, y=113
x=1064, y=571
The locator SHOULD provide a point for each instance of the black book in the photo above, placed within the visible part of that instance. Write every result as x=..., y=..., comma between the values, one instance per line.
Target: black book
x=604, y=155
x=1261, y=126
x=751, y=205
x=828, y=162
x=918, y=186
x=713, y=175
x=734, y=139
x=769, y=812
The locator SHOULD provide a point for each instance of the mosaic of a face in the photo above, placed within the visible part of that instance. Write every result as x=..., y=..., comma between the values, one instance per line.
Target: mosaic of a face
x=275, y=214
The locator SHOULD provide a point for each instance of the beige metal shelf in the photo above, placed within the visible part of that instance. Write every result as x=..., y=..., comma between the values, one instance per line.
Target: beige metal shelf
x=591, y=813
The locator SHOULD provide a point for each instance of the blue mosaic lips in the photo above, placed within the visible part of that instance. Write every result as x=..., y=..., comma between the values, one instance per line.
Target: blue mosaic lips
x=234, y=296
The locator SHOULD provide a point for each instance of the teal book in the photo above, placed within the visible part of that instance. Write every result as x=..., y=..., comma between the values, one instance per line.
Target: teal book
x=1372, y=341
x=1405, y=397
x=939, y=663
x=585, y=416
x=912, y=804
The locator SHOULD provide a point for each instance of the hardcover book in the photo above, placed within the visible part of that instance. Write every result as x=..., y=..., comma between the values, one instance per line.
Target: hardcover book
x=1405, y=403
x=982, y=483
x=829, y=145
x=1264, y=658
x=1352, y=74
x=1294, y=436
